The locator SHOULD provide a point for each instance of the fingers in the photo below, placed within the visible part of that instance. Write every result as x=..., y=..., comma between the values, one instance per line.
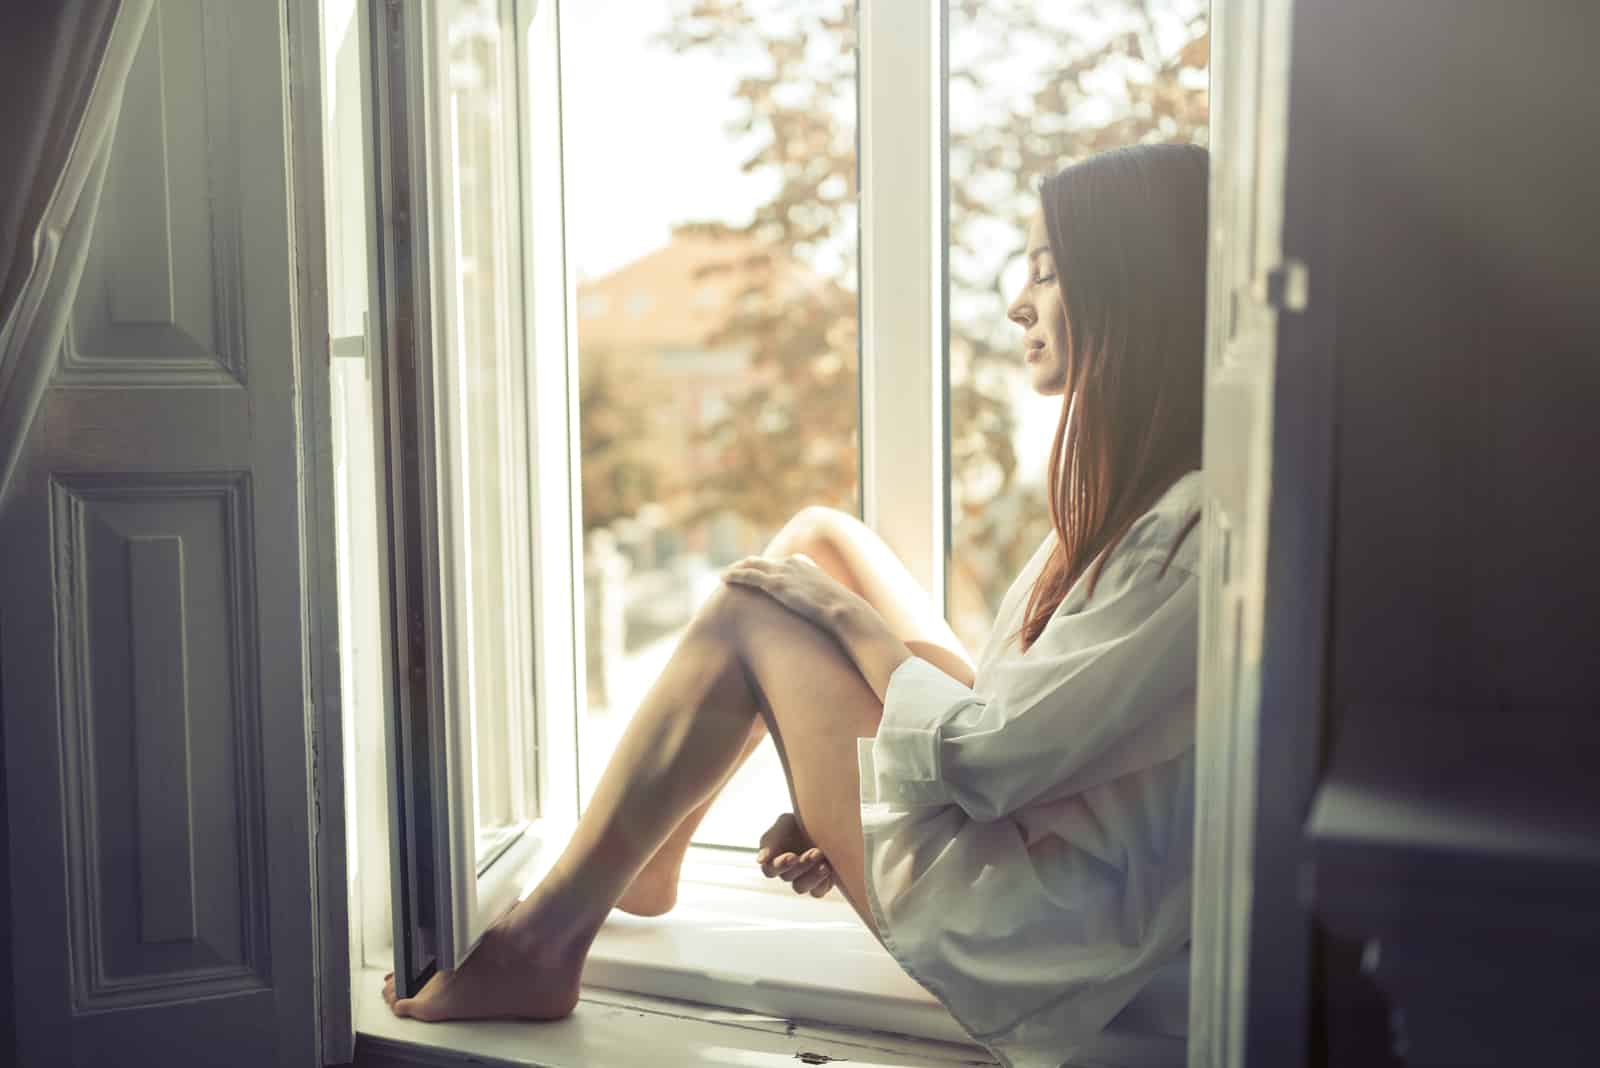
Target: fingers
x=793, y=868
x=806, y=873
x=819, y=877
x=760, y=571
x=784, y=866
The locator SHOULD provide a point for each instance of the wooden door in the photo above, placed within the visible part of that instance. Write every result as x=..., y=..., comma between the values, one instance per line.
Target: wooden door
x=1266, y=548
x=161, y=596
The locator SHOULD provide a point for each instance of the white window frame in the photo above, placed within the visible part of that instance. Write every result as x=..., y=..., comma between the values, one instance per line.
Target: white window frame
x=479, y=895
x=904, y=468
x=410, y=310
x=904, y=242
x=901, y=58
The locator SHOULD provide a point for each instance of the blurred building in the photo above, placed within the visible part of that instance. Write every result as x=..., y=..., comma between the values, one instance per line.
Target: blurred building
x=661, y=318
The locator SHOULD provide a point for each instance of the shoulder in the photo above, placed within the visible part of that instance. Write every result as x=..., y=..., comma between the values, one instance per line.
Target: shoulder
x=1152, y=536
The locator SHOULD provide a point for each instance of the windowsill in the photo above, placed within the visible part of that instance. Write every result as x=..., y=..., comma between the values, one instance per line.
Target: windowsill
x=724, y=979
x=768, y=952
x=613, y=1029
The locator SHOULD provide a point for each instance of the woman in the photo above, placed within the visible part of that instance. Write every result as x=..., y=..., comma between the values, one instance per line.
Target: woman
x=1018, y=836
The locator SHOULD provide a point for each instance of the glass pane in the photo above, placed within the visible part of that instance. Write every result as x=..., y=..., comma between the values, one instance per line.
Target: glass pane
x=482, y=410
x=355, y=473
x=711, y=197
x=1033, y=87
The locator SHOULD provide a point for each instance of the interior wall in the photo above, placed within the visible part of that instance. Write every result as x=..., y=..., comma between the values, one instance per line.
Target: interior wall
x=1466, y=584
x=1469, y=364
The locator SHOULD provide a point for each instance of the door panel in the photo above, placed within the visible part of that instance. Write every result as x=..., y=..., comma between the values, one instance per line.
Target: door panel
x=1269, y=472
x=156, y=647
x=154, y=636
x=1249, y=291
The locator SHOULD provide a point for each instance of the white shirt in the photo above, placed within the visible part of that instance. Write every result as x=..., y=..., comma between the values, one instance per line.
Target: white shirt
x=1028, y=841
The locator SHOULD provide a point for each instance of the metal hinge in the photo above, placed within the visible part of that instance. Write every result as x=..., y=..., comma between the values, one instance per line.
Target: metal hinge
x=1285, y=287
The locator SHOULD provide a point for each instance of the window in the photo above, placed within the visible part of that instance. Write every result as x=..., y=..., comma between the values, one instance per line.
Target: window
x=1033, y=86
x=737, y=332
x=612, y=314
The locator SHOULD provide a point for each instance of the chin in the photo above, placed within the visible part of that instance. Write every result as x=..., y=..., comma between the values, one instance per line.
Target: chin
x=1048, y=381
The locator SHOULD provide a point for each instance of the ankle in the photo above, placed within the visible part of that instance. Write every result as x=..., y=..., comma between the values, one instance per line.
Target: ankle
x=547, y=933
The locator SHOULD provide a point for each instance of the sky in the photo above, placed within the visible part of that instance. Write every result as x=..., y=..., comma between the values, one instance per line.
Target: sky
x=644, y=136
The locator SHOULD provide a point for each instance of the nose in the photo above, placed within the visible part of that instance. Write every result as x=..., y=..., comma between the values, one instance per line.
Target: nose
x=1021, y=313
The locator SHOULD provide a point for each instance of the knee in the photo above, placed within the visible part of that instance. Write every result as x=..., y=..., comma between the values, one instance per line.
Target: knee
x=807, y=529
x=726, y=614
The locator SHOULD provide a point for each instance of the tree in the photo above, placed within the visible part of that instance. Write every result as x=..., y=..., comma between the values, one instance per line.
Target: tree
x=1094, y=75
x=618, y=412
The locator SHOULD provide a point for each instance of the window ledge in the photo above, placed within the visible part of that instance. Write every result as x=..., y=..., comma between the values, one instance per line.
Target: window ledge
x=724, y=979
x=768, y=952
x=611, y=1029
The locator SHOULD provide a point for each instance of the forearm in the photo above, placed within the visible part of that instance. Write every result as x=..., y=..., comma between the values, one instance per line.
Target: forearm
x=870, y=644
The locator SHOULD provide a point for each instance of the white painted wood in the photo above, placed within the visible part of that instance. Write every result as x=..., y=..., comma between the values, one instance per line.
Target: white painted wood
x=453, y=397
x=904, y=357
x=481, y=426
x=349, y=169
x=1264, y=565
x=148, y=308
x=325, y=714
x=772, y=952
x=554, y=464
x=617, y=1030
x=158, y=643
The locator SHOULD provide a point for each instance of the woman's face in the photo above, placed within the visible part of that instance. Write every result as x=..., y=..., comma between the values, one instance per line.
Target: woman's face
x=1042, y=314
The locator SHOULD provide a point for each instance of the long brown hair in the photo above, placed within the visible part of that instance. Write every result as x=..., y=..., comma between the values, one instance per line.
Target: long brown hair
x=1127, y=232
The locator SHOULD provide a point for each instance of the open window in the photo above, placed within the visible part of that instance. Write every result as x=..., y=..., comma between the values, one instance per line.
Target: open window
x=642, y=289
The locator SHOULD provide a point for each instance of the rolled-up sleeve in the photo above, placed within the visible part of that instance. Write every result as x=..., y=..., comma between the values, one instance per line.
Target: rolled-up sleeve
x=1105, y=690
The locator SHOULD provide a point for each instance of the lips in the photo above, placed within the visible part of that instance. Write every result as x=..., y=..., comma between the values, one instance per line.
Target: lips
x=1034, y=351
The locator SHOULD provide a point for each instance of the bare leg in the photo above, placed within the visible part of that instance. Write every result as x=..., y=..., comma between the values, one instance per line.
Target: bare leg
x=654, y=891
x=744, y=658
x=856, y=557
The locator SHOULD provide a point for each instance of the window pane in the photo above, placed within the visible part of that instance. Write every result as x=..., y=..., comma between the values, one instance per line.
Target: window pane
x=1033, y=87
x=710, y=193
x=356, y=553
x=482, y=408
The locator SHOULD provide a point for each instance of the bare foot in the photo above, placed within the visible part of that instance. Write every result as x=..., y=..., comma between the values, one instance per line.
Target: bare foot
x=654, y=890
x=501, y=978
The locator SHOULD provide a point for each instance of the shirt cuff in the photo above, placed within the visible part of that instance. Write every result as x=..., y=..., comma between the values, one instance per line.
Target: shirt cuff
x=901, y=765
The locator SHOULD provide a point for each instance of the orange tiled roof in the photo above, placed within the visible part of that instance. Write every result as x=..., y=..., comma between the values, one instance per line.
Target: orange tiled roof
x=663, y=300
